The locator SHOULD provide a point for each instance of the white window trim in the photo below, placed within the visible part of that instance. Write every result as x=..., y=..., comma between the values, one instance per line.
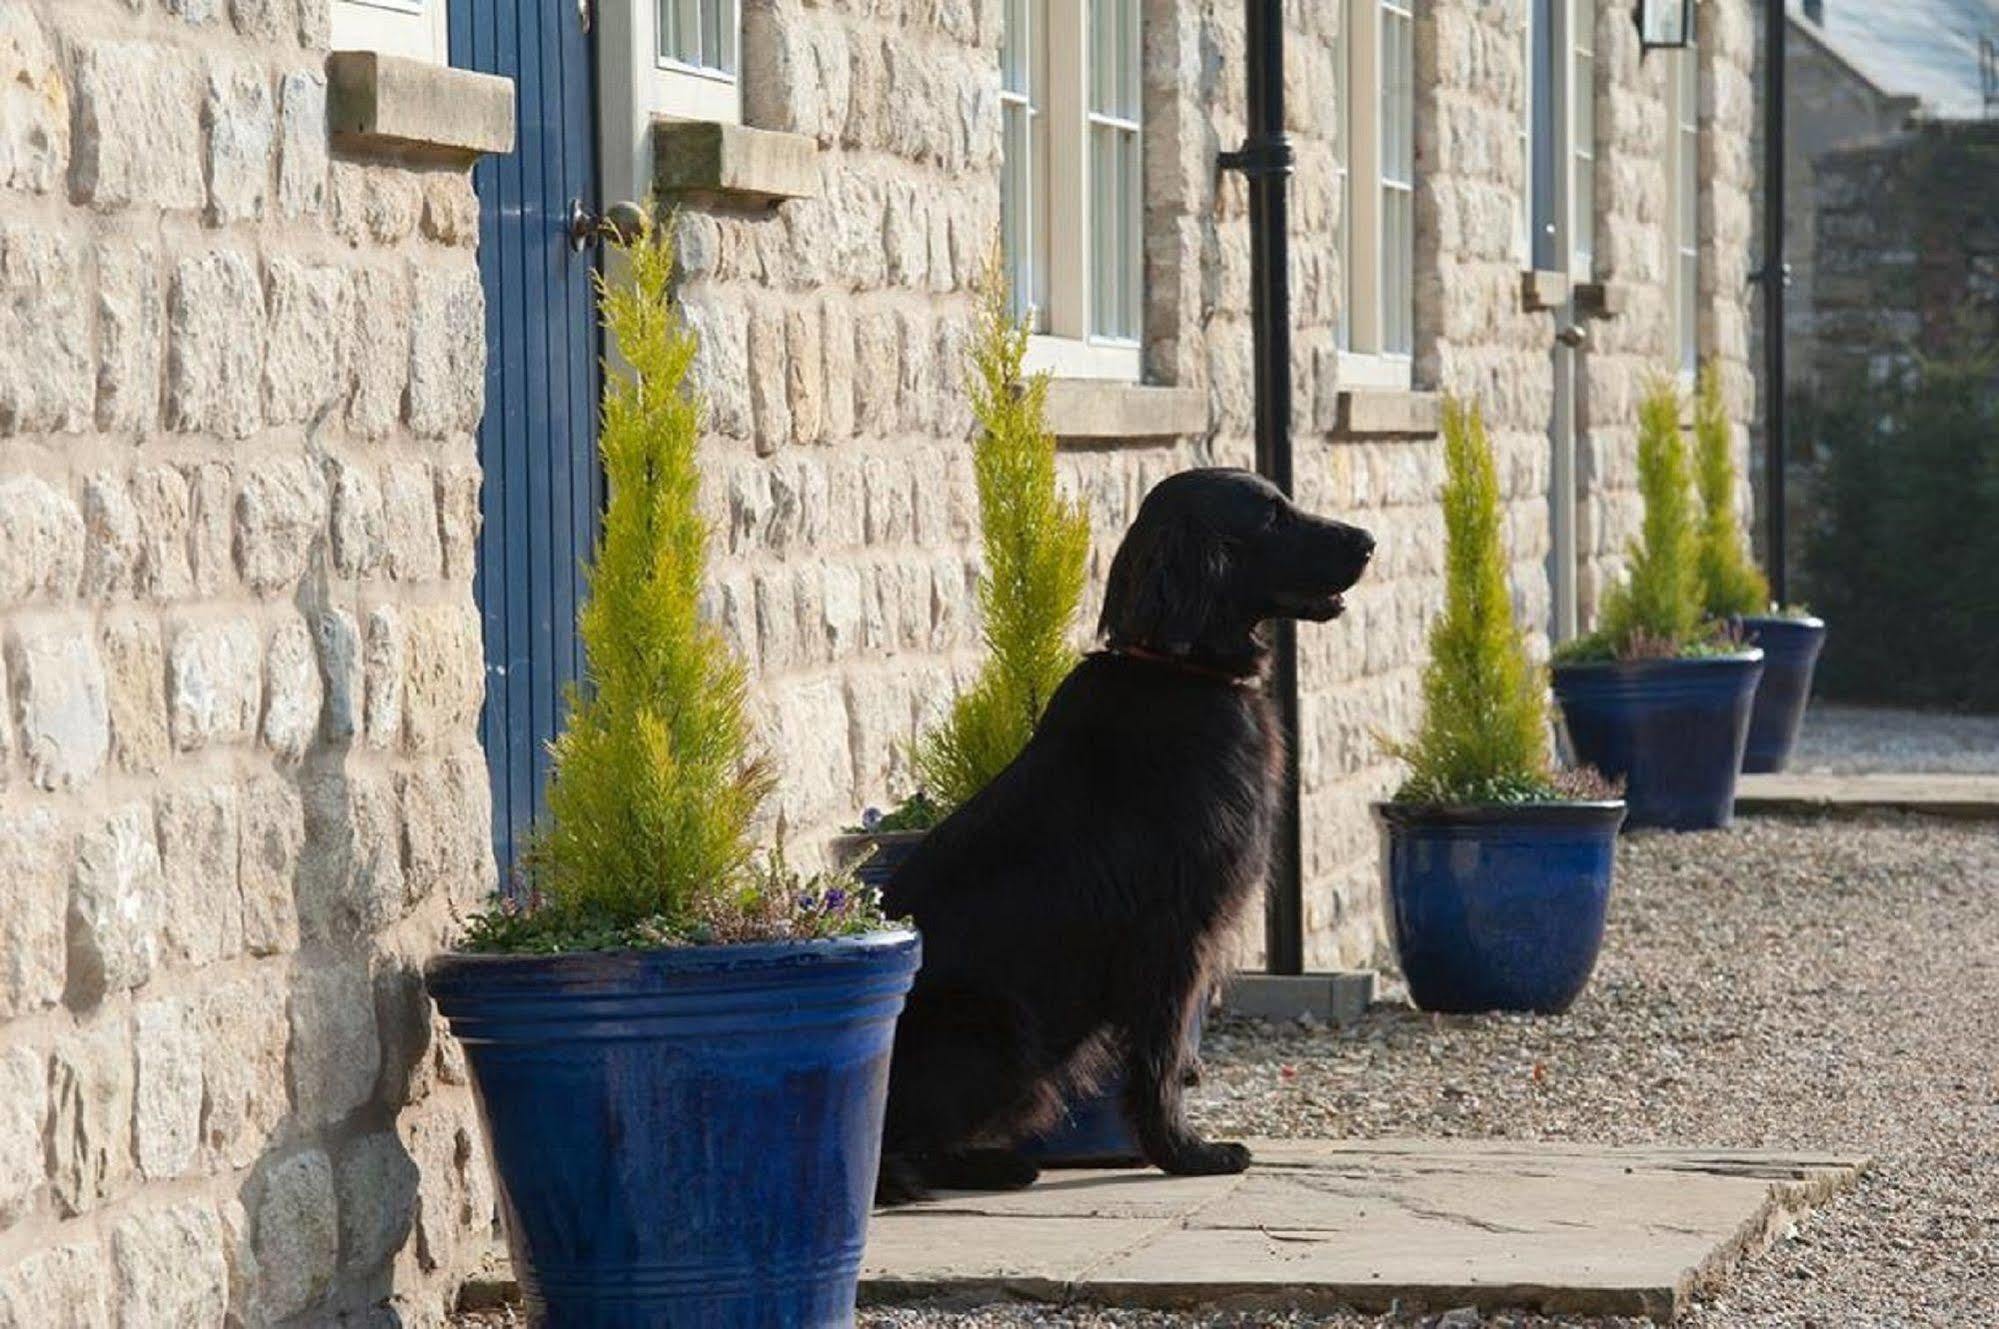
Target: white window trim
x=1363, y=362
x=1682, y=229
x=417, y=29
x=643, y=86
x=1579, y=61
x=1063, y=344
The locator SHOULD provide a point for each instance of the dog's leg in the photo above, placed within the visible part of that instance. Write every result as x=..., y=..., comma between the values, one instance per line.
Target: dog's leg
x=979, y=1170
x=1156, y=1065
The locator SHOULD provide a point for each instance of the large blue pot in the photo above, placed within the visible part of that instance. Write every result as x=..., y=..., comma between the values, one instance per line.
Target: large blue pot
x=1790, y=654
x=1672, y=730
x=689, y=1136
x=1498, y=908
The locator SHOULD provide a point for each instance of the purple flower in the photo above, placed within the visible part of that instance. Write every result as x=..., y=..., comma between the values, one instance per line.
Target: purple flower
x=836, y=900
x=870, y=818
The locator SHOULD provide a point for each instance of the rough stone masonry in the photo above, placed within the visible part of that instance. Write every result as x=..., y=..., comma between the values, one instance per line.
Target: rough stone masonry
x=240, y=789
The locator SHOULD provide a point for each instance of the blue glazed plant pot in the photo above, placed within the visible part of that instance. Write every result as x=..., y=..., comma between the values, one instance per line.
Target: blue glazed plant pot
x=1094, y=1131
x=688, y=1136
x=1672, y=730
x=1790, y=655
x=1497, y=907
x=875, y=856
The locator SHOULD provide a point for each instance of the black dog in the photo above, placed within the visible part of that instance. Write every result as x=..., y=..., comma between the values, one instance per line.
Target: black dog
x=1071, y=910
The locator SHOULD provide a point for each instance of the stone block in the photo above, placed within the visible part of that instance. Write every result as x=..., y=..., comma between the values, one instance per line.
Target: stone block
x=200, y=831
x=56, y=1287
x=24, y=1112
x=304, y=362
x=374, y=204
x=214, y=683
x=705, y=160
x=334, y=1056
x=214, y=370
x=33, y=945
x=410, y=541
x=382, y=103
x=459, y=519
x=351, y=872
x=90, y=1100
x=770, y=405
x=41, y=541
x=34, y=146
x=244, y=1030
x=273, y=832
x=166, y=1121
x=444, y=674
x=447, y=381
x=45, y=365
x=339, y=638
x=450, y=209
x=138, y=127
x=161, y=504
x=211, y=502
x=293, y=692
x=135, y=693
x=61, y=710
x=239, y=116
x=280, y=514
x=375, y=1181
x=131, y=343
x=111, y=537
x=116, y=897
x=170, y=1267
x=379, y=352
x=383, y=668
x=302, y=140
x=445, y=846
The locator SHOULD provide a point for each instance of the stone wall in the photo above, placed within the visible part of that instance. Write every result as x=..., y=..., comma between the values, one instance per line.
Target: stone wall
x=239, y=785
x=834, y=330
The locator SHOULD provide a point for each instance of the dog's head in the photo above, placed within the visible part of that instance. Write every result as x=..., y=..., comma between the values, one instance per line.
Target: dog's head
x=1215, y=553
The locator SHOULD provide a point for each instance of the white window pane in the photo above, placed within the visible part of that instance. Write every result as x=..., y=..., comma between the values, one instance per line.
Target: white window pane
x=1689, y=296
x=1015, y=42
x=1132, y=262
x=1103, y=56
x=1585, y=244
x=1397, y=295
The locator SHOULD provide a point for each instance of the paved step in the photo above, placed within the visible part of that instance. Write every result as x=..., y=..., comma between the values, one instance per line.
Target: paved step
x=1975, y=797
x=1554, y=1228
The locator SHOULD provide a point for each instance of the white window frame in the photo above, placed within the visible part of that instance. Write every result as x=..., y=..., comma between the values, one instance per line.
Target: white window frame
x=1377, y=327
x=412, y=28
x=1065, y=341
x=639, y=84
x=1682, y=229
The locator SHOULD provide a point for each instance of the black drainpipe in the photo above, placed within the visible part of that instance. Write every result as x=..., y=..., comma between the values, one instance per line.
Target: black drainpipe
x=1265, y=161
x=1775, y=276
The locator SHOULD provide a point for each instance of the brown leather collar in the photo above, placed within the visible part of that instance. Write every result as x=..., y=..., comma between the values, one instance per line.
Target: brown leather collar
x=1184, y=665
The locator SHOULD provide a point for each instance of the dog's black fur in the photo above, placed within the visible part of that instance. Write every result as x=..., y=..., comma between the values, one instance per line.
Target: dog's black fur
x=1070, y=911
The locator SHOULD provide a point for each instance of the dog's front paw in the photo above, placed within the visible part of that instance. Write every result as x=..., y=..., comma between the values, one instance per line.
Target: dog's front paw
x=1203, y=1159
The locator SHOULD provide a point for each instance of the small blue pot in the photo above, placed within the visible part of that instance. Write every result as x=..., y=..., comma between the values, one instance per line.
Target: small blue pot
x=1498, y=908
x=1790, y=655
x=1672, y=730
x=1094, y=1131
x=684, y=1137
x=876, y=857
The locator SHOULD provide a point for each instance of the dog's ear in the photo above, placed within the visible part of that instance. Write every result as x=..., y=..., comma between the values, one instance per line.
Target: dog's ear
x=1165, y=585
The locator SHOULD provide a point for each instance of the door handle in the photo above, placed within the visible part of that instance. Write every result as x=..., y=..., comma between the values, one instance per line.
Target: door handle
x=621, y=223
x=1573, y=335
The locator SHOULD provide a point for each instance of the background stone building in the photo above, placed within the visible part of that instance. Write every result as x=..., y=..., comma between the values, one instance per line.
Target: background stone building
x=247, y=559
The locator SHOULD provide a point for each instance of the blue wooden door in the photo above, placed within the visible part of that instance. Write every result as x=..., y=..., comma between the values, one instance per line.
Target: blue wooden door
x=538, y=444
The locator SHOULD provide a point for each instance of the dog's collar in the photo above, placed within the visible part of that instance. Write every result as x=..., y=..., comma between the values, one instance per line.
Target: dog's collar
x=1185, y=666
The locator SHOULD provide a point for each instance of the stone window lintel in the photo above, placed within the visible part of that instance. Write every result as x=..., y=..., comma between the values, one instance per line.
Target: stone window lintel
x=1602, y=299
x=708, y=159
x=1542, y=289
x=1377, y=413
x=389, y=105
x=1101, y=411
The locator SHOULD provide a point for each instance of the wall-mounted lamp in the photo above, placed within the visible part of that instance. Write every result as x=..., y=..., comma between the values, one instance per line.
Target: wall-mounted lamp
x=1664, y=25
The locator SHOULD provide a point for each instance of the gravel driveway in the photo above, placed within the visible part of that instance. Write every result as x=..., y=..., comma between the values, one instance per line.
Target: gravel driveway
x=1848, y=739
x=1784, y=984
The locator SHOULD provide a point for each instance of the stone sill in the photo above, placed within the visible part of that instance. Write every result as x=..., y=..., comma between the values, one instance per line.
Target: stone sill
x=705, y=159
x=1377, y=413
x=386, y=105
x=1088, y=410
x=1541, y=289
x=1602, y=299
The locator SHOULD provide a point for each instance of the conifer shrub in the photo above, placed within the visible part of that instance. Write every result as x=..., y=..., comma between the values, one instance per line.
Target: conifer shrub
x=653, y=787
x=1655, y=612
x=1732, y=585
x=1035, y=544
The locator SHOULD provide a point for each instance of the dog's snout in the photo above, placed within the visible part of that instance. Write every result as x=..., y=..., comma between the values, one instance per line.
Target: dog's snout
x=1363, y=544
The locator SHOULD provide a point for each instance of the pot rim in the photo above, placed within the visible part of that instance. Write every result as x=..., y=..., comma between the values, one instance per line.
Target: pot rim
x=1811, y=622
x=1579, y=812
x=881, y=837
x=712, y=957
x=1751, y=656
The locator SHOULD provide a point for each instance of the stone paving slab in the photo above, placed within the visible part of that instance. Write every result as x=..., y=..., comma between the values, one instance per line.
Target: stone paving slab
x=1974, y=797
x=1315, y=1224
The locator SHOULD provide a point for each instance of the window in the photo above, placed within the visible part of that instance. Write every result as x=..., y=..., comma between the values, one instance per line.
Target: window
x=1377, y=144
x=1683, y=161
x=412, y=28
x=1558, y=138
x=1071, y=192
x=660, y=59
